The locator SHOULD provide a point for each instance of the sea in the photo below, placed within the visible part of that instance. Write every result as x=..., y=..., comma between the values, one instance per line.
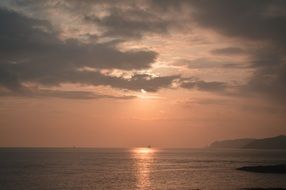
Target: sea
x=136, y=168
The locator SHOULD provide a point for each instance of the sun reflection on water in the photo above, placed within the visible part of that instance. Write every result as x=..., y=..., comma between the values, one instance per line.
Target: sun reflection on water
x=144, y=158
x=144, y=151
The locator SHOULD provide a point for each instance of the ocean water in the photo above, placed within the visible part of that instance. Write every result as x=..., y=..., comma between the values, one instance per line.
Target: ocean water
x=124, y=169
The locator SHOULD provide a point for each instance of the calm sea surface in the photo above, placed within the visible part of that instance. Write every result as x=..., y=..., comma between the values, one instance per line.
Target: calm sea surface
x=124, y=169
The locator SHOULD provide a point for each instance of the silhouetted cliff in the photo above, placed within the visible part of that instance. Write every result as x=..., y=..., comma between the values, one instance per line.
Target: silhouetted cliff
x=234, y=143
x=278, y=142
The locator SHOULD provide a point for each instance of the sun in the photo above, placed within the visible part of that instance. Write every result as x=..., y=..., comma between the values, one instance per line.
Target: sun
x=143, y=91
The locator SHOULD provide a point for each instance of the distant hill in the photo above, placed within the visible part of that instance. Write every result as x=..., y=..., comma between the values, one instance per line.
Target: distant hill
x=278, y=142
x=234, y=143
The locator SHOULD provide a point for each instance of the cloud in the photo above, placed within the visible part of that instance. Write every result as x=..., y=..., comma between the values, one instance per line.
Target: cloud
x=122, y=20
x=76, y=95
x=9, y=81
x=213, y=86
x=131, y=22
x=41, y=93
x=260, y=22
x=32, y=52
x=204, y=63
x=49, y=51
x=269, y=78
x=228, y=51
x=136, y=82
x=23, y=40
x=252, y=20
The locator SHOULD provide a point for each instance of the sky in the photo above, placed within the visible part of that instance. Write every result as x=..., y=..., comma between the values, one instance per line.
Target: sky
x=170, y=73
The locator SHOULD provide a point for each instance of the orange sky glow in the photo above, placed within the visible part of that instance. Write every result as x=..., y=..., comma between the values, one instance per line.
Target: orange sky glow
x=122, y=74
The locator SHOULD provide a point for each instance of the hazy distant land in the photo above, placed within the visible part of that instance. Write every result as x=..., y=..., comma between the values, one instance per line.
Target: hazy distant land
x=278, y=169
x=278, y=142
